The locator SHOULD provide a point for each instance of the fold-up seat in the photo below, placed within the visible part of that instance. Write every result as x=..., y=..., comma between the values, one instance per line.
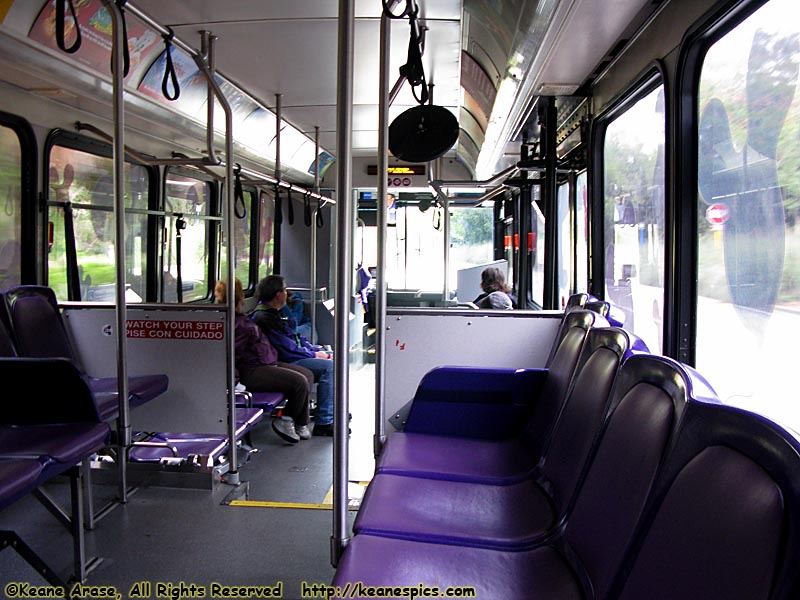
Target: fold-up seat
x=38, y=331
x=581, y=559
x=516, y=514
x=174, y=445
x=422, y=451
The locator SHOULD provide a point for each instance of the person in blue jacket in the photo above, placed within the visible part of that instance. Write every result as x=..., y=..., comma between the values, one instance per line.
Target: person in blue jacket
x=293, y=347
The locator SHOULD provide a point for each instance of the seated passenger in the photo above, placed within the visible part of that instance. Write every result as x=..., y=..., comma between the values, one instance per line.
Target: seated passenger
x=498, y=299
x=493, y=280
x=258, y=367
x=294, y=310
x=294, y=348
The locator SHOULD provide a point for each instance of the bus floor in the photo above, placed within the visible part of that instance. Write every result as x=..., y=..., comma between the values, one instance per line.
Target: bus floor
x=168, y=535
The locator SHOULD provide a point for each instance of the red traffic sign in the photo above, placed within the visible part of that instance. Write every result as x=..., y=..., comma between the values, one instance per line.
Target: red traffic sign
x=717, y=214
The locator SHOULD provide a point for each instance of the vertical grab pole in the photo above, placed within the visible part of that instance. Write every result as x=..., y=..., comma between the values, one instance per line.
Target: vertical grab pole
x=344, y=146
x=123, y=423
x=314, y=242
x=383, y=191
x=230, y=274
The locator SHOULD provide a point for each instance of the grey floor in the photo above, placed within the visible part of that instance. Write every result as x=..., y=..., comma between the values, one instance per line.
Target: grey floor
x=171, y=535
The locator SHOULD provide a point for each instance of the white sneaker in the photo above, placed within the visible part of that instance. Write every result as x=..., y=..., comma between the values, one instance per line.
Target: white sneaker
x=284, y=427
x=303, y=432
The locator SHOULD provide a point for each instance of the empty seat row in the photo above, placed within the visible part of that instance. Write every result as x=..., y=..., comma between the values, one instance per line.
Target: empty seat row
x=36, y=329
x=630, y=480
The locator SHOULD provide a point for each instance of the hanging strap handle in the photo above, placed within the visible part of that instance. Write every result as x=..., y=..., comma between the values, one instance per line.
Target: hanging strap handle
x=320, y=218
x=239, y=207
x=278, y=206
x=126, y=56
x=170, y=76
x=307, y=209
x=290, y=208
x=61, y=17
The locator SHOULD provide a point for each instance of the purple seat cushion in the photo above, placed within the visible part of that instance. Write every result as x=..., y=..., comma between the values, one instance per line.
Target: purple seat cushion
x=496, y=575
x=267, y=401
x=141, y=388
x=17, y=478
x=62, y=443
x=456, y=459
x=246, y=419
x=455, y=512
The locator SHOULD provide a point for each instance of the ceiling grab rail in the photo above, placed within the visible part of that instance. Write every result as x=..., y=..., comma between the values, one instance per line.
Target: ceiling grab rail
x=255, y=177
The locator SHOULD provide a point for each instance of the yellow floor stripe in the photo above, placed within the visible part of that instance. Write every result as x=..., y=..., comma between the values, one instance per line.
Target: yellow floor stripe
x=327, y=502
x=301, y=505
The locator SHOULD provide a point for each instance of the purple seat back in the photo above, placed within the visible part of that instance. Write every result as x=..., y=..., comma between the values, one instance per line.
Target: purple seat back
x=647, y=402
x=560, y=373
x=576, y=302
x=583, y=412
x=726, y=521
x=36, y=324
x=61, y=392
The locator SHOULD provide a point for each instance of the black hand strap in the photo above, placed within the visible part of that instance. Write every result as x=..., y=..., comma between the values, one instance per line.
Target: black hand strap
x=61, y=17
x=170, y=76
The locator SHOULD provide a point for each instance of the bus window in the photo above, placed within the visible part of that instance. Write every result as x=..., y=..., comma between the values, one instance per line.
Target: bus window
x=10, y=218
x=86, y=181
x=415, y=246
x=633, y=161
x=565, y=245
x=748, y=247
x=266, y=241
x=581, y=235
x=470, y=239
x=187, y=199
x=242, y=229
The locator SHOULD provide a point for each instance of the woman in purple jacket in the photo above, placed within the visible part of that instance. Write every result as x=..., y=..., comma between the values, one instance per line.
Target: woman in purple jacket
x=259, y=370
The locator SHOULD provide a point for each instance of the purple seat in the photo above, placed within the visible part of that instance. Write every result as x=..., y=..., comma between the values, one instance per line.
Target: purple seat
x=522, y=512
x=428, y=454
x=38, y=332
x=582, y=557
x=266, y=401
x=43, y=438
x=496, y=575
x=725, y=521
x=168, y=445
x=64, y=443
x=18, y=478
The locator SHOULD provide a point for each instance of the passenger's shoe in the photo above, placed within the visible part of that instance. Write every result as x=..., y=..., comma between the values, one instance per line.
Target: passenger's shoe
x=284, y=427
x=303, y=432
x=326, y=430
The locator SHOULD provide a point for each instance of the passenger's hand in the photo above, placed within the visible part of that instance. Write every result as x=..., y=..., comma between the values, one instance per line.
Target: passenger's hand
x=323, y=354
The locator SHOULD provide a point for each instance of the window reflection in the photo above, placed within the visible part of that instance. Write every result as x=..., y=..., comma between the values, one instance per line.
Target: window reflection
x=749, y=203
